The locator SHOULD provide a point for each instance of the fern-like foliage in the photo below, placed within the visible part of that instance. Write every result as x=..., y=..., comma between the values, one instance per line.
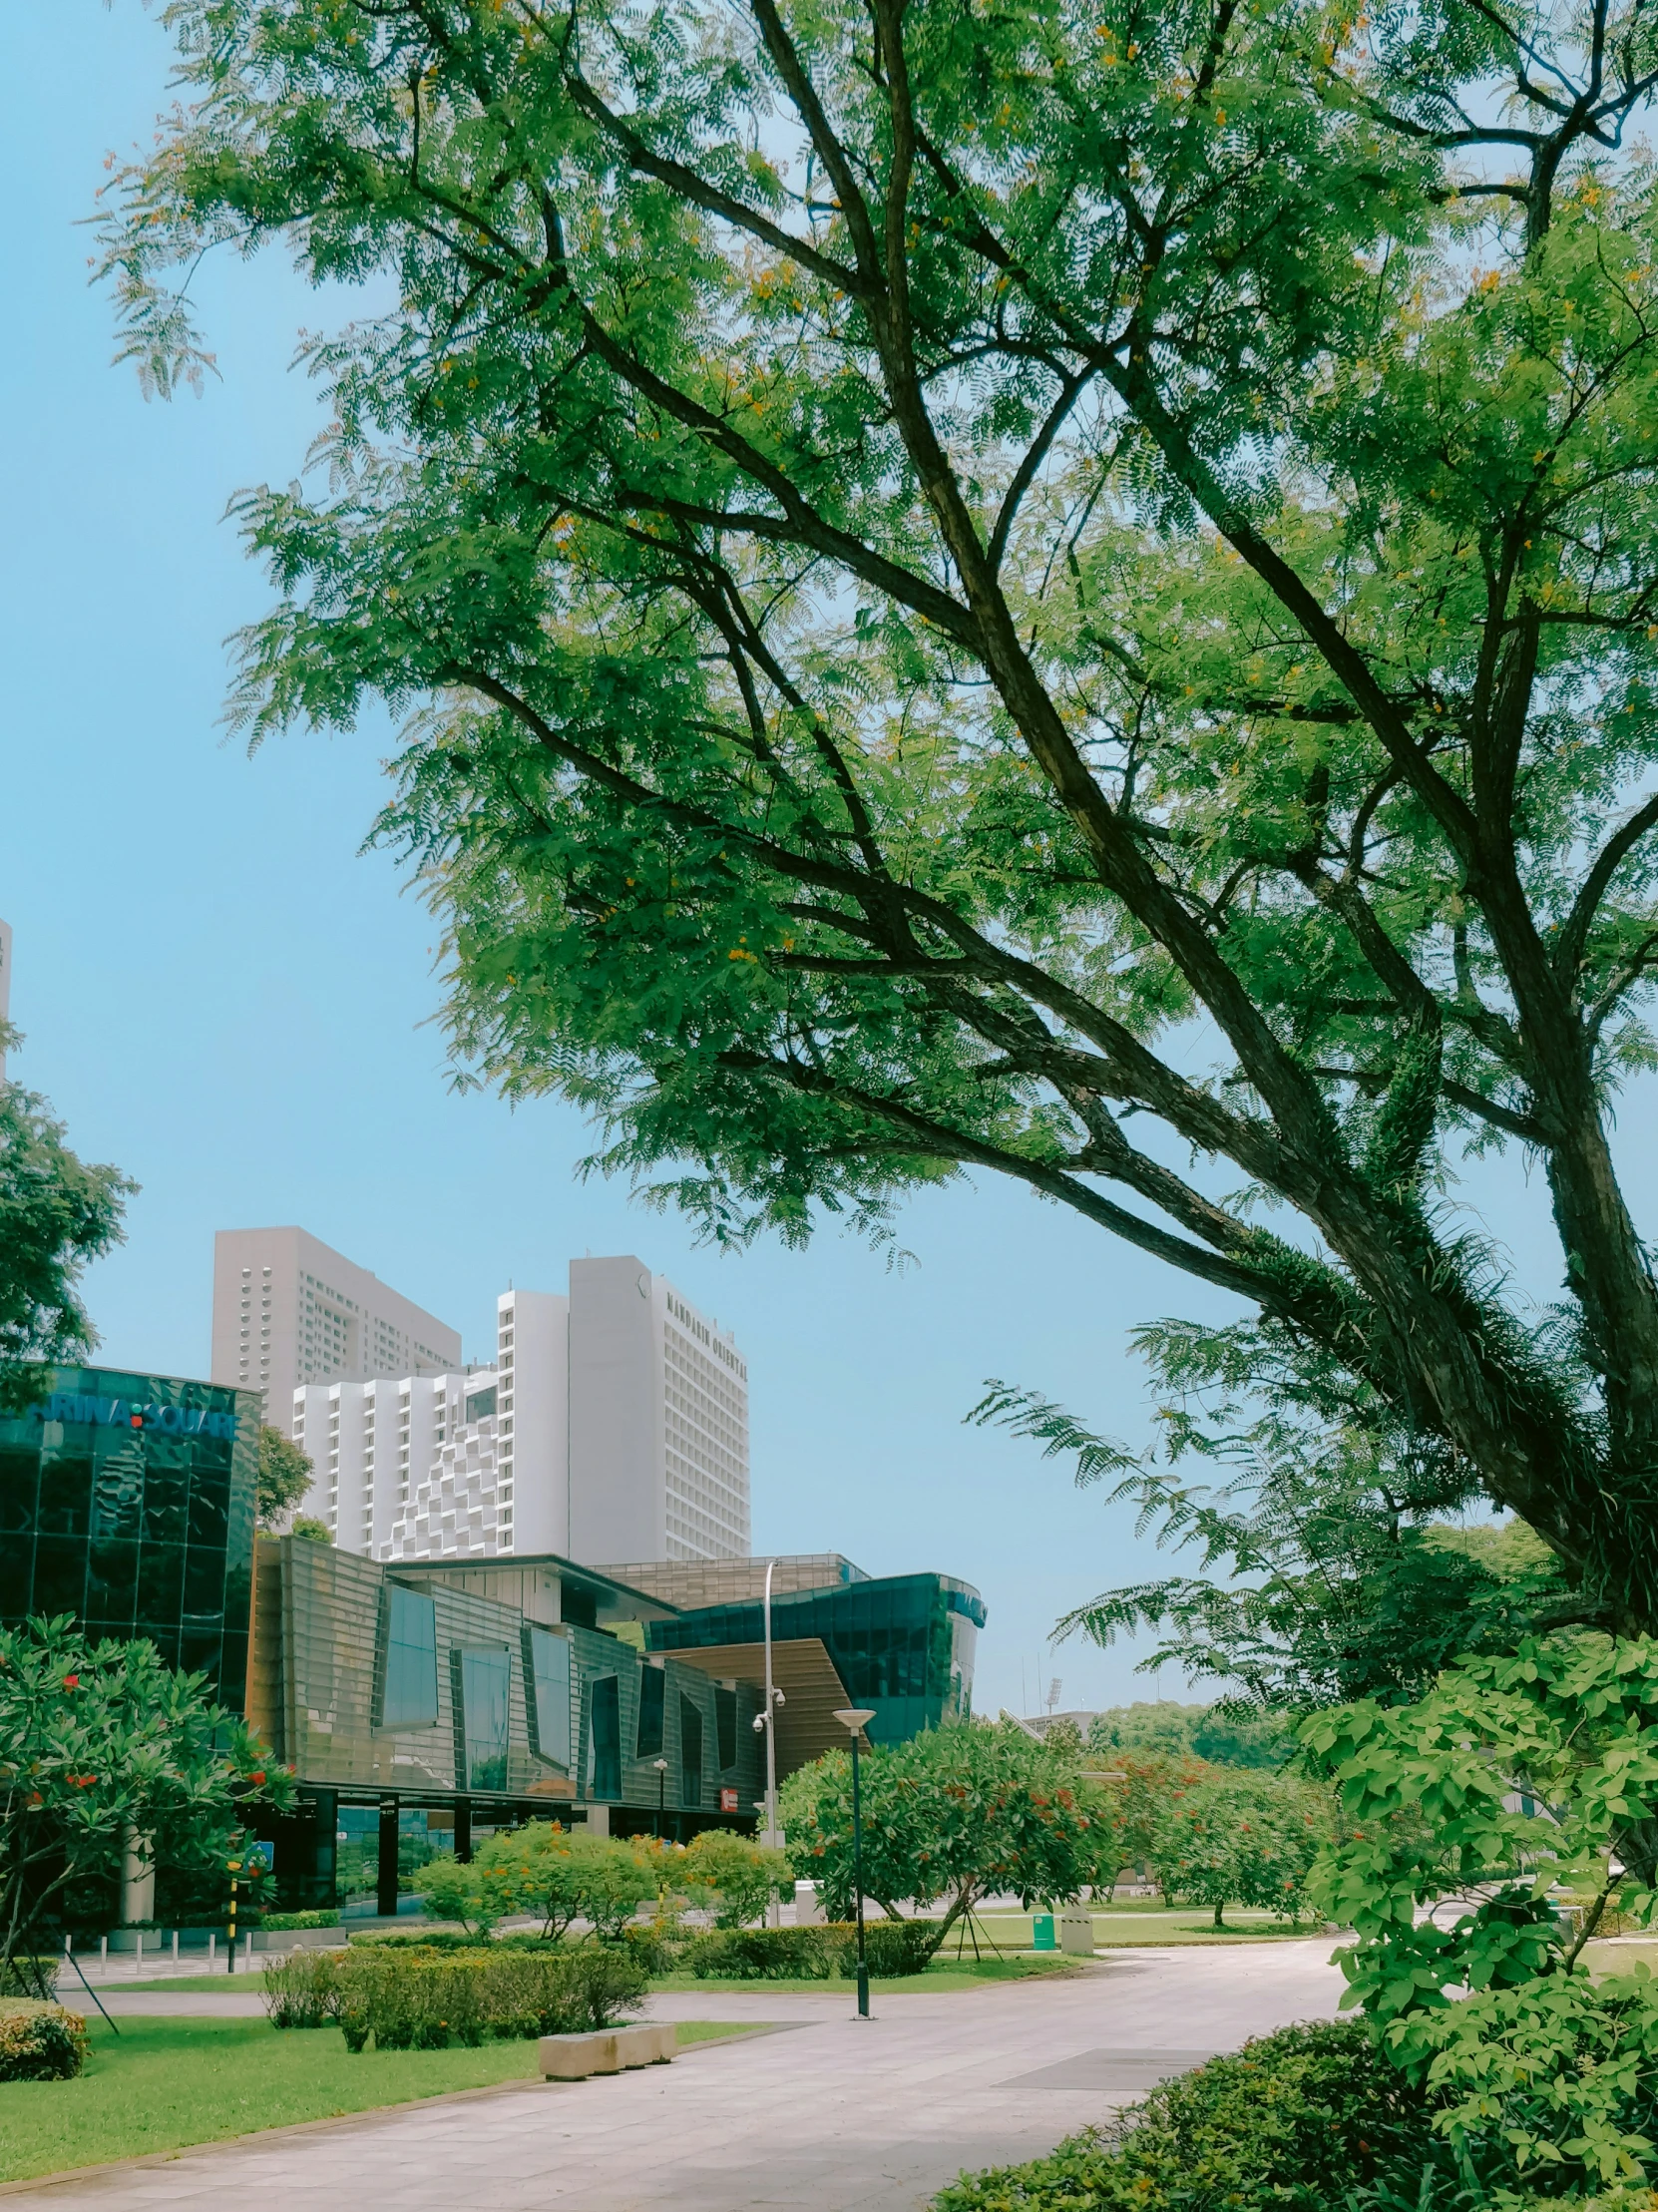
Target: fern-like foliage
x=1330, y=1557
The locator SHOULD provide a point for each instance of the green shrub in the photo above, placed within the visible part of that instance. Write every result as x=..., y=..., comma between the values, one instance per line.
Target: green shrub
x=733, y=1875
x=1294, y=2122
x=766, y=1954
x=892, y=1948
x=31, y=1977
x=283, y=1923
x=425, y=1998
x=40, y=2042
x=896, y=1947
x=302, y=1990
x=429, y=1939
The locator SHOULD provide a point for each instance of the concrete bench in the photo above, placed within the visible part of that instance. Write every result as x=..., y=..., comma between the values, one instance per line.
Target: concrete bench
x=606, y=2051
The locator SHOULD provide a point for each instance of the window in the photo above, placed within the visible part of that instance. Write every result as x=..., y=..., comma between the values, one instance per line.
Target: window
x=607, y=1737
x=690, y=1753
x=411, y=1693
x=726, y=1728
x=483, y=1678
x=547, y=1665
x=653, y=1698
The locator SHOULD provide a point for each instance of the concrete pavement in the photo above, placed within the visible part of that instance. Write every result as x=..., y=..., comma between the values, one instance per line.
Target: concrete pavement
x=837, y=2115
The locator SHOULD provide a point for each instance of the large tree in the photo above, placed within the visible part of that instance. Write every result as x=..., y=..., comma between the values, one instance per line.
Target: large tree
x=1065, y=591
x=57, y=1213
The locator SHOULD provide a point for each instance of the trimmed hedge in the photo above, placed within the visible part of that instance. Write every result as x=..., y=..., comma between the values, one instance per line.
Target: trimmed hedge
x=426, y=1999
x=1294, y=2122
x=891, y=1946
x=280, y=1924
x=27, y=1978
x=39, y=2041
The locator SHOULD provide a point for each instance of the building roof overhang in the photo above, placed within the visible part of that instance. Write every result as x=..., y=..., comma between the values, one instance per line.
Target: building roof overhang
x=803, y=1670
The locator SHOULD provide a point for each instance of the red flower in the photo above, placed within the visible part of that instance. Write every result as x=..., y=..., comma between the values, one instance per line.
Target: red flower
x=259, y=1777
x=71, y=1682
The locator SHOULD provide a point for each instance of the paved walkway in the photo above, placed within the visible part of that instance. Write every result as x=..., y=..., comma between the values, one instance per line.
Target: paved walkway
x=836, y=2115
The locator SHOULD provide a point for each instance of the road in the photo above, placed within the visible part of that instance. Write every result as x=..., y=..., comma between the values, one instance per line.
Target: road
x=832, y=2115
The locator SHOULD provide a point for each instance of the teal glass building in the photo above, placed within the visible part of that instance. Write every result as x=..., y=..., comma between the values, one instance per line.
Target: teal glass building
x=902, y=1644
x=128, y=1501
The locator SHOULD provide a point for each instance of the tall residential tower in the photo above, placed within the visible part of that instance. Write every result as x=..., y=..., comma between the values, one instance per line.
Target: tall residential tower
x=614, y=1425
x=289, y=1312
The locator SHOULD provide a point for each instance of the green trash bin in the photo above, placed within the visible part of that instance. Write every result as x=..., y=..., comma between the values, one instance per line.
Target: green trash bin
x=1042, y=1933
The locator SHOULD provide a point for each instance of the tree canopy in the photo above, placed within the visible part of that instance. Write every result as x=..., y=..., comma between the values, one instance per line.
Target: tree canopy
x=101, y=1740
x=1069, y=593
x=57, y=1213
x=959, y=1813
x=284, y=1475
x=1346, y=1565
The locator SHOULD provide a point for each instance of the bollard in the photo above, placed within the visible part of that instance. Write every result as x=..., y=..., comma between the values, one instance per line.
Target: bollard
x=174, y=1947
x=139, y=1968
x=213, y=1946
x=103, y=1953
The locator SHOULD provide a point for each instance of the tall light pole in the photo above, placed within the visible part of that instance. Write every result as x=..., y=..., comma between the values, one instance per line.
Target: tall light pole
x=856, y=1719
x=661, y=1796
x=766, y=1723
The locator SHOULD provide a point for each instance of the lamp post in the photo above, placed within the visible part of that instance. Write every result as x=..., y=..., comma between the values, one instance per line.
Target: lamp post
x=661, y=1796
x=856, y=1719
x=766, y=1724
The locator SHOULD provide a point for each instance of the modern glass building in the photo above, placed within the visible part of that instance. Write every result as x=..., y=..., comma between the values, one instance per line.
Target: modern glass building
x=902, y=1644
x=424, y=1704
x=128, y=1501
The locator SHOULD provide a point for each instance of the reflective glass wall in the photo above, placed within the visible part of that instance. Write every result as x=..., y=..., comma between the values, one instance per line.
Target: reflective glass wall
x=903, y=1644
x=128, y=1501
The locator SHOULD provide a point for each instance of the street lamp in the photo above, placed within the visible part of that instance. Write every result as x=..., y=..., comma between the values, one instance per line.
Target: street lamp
x=856, y=1719
x=661, y=1796
x=766, y=1724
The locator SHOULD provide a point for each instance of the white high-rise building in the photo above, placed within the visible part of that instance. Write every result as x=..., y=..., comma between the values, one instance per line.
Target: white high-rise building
x=614, y=1425
x=373, y=1445
x=658, y=1421
x=289, y=1311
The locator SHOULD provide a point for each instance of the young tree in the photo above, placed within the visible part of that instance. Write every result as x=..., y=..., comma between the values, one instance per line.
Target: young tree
x=940, y=545
x=735, y=1874
x=56, y=1214
x=1240, y=1839
x=100, y=1742
x=959, y=1813
x=480, y=1896
x=559, y=1875
x=284, y=1475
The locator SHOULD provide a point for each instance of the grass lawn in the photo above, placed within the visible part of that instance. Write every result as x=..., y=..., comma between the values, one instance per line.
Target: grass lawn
x=169, y=2084
x=1143, y=1923
x=944, y=1973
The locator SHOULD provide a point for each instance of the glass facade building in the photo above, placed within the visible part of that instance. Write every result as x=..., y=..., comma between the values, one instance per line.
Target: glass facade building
x=423, y=1704
x=902, y=1644
x=128, y=1501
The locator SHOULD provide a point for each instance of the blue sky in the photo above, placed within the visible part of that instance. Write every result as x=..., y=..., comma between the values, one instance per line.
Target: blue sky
x=222, y=996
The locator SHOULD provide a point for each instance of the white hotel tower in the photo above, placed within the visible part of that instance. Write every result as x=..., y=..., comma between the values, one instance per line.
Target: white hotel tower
x=614, y=1425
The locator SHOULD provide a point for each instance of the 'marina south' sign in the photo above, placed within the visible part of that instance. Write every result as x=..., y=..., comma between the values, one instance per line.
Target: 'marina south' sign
x=127, y=1412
